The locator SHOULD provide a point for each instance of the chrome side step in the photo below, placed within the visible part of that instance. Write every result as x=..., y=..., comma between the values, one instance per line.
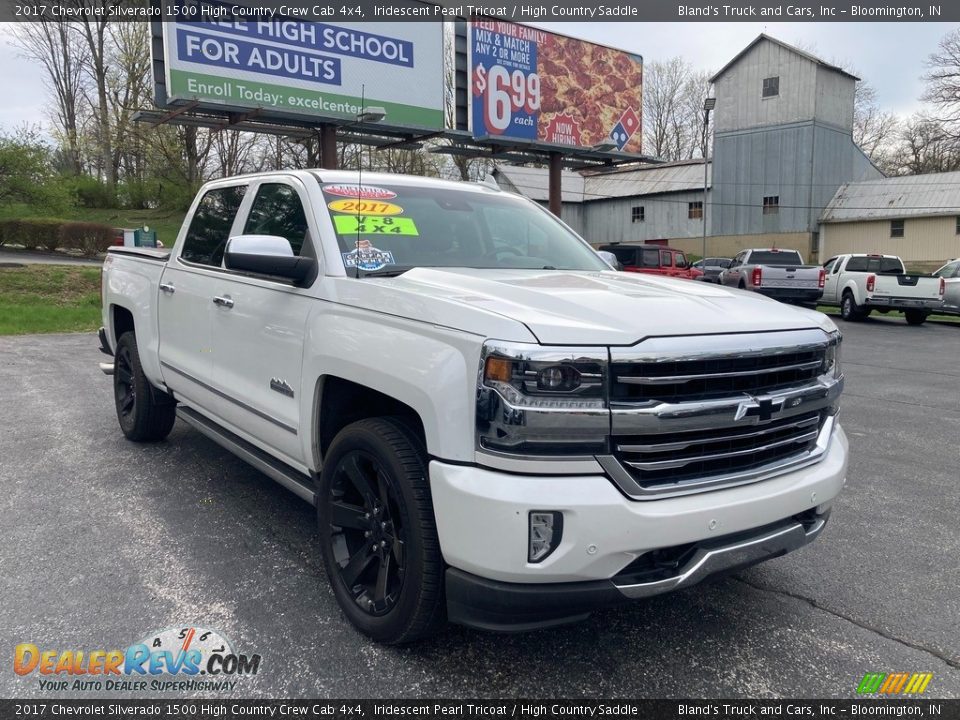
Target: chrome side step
x=293, y=480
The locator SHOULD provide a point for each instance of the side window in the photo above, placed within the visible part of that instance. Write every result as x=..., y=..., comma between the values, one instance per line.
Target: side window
x=651, y=257
x=829, y=265
x=277, y=210
x=210, y=227
x=680, y=259
x=666, y=259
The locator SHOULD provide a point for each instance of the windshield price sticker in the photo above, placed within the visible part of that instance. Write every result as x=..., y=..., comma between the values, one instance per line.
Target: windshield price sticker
x=374, y=225
x=361, y=192
x=365, y=207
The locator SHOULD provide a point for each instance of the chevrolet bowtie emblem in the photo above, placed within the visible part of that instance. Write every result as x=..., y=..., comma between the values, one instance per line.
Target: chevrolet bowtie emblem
x=763, y=409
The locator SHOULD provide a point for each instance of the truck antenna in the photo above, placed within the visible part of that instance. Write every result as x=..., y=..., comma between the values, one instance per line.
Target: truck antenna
x=363, y=89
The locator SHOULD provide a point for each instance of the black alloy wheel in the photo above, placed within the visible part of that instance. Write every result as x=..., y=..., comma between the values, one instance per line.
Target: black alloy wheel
x=378, y=533
x=367, y=532
x=124, y=387
x=145, y=413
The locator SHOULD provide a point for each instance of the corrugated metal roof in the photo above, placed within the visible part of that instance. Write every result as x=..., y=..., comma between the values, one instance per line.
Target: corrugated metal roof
x=652, y=180
x=787, y=46
x=534, y=183
x=895, y=197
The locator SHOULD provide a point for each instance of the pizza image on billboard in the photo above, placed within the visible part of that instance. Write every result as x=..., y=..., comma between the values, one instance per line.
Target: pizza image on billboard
x=529, y=84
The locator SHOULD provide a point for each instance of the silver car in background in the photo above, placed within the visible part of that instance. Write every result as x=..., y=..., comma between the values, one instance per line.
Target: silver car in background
x=711, y=268
x=951, y=282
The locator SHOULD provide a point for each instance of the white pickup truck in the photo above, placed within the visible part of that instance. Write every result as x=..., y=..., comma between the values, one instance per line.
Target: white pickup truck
x=496, y=428
x=776, y=273
x=859, y=284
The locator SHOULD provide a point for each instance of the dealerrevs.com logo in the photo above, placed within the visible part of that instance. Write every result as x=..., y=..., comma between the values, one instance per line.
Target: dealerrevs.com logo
x=177, y=659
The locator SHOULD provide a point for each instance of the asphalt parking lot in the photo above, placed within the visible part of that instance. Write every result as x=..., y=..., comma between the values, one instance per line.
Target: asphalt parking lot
x=103, y=541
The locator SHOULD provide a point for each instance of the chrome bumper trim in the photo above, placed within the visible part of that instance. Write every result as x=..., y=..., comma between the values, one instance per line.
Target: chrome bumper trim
x=711, y=560
x=631, y=488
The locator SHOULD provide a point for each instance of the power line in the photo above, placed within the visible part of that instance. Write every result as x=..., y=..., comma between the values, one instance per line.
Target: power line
x=639, y=198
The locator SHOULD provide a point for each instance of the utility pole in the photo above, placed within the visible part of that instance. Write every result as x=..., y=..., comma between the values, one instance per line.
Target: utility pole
x=708, y=105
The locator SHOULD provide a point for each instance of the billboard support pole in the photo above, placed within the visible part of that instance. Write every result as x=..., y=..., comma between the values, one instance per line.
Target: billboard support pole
x=556, y=203
x=328, y=147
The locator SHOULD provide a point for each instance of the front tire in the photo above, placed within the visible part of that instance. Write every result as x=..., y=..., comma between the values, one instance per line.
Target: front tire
x=377, y=531
x=915, y=317
x=145, y=414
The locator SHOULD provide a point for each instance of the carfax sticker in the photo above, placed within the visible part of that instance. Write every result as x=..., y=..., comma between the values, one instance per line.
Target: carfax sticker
x=374, y=225
x=366, y=257
x=360, y=192
x=365, y=207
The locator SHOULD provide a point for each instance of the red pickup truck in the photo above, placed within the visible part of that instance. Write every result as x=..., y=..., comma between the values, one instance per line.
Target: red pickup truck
x=653, y=259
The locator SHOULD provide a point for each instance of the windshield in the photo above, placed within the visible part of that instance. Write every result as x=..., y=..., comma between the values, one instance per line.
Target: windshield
x=389, y=229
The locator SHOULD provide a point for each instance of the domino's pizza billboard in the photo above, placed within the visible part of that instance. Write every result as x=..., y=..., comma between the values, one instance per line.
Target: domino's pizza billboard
x=529, y=84
x=284, y=67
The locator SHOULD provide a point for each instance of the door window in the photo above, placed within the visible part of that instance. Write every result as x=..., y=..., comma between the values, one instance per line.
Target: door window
x=277, y=210
x=651, y=257
x=210, y=227
x=665, y=259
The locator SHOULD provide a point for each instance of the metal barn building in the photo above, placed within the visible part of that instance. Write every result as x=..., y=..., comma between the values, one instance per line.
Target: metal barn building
x=916, y=217
x=783, y=144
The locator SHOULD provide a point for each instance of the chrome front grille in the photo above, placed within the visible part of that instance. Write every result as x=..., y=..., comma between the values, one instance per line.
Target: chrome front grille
x=690, y=414
x=655, y=460
x=703, y=379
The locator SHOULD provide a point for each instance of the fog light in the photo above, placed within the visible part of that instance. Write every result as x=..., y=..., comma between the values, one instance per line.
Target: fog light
x=546, y=530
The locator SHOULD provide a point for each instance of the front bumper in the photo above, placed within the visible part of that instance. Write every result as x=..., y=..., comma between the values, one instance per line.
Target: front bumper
x=482, y=522
x=512, y=607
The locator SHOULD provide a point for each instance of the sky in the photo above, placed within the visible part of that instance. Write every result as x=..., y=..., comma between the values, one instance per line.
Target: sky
x=890, y=56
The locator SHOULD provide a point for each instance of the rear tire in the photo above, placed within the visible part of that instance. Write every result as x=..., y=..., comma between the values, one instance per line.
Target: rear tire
x=145, y=413
x=915, y=317
x=849, y=310
x=383, y=559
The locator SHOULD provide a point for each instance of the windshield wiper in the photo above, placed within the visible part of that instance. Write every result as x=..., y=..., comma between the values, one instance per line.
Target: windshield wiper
x=386, y=272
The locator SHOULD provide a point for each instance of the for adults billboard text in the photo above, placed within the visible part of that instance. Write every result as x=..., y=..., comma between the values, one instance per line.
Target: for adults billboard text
x=529, y=84
x=308, y=68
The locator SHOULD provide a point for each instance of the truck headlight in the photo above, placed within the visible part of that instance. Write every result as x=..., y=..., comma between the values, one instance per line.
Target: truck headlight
x=536, y=401
x=546, y=378
x=831, y=358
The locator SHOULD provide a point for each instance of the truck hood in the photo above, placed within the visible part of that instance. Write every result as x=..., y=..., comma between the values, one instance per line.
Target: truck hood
x=581, y=308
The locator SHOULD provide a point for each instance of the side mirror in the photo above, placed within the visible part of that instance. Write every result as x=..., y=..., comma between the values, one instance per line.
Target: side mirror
x=268, y=255
x=610, y=259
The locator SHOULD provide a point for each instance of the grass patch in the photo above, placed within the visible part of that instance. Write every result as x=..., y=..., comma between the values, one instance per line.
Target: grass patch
x=49, y=299
x=892, y=314
x=165, y=222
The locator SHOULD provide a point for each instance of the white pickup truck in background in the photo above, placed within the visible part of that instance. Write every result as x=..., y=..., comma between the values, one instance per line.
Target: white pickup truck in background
x=495, y=427
x=859, y=284
x=779, y=274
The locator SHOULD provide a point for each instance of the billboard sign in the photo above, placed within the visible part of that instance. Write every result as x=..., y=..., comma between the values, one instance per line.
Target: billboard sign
x=529, y=84
x=314, y=69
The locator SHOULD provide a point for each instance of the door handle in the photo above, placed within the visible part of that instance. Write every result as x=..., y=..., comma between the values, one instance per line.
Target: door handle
x=168, y=288
x=223, y=301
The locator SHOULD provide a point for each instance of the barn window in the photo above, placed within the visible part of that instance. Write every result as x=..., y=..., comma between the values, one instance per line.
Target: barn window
x=637, y=213
x=771, y=204
x=695, y=210
x=957, y=231
x=896, y=228
x=771, y=86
